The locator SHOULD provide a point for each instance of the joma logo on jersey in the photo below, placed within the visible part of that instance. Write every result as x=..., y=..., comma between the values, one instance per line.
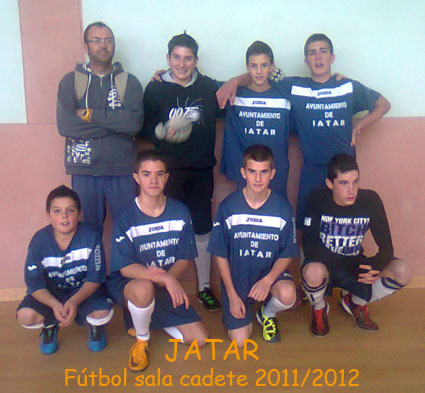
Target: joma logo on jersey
x=324, y=93
x=259, y=102
x=254, y=219
x=157, y=228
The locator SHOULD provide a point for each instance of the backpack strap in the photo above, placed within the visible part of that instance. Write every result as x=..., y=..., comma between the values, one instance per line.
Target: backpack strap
x=80, y=84
x=81, y=80
x=121, y=84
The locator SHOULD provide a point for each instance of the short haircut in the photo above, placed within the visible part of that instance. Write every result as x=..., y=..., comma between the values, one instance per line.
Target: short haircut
x=259, y=153
x=96, y=24
x=184, y=40
x=318, y=37
x=259, y=48
x=341, y=163
x=150, y=155
x=62, y=192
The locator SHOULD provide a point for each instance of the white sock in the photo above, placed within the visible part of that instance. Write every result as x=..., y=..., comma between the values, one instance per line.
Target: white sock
x=315, y=295
x=100, y=321
x=141, y=319
x=273, y=306
x=36, y=326
x=358, y=300
x=174, y=332
x=384, y=287
x=203, y=262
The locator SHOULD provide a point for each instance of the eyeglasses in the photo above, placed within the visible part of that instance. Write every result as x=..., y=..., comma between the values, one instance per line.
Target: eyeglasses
x=97, y=41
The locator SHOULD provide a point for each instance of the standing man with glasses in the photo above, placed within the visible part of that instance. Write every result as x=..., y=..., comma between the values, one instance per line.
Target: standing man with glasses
x=99, y=110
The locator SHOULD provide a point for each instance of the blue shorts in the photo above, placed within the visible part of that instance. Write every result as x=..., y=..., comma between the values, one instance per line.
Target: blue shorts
x=312, y=177
x=97, y=301
x=164, y=314
x=229, y=320
x=344, y=273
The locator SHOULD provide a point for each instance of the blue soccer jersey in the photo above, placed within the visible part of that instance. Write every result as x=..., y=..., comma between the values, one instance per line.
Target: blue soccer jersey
x=48, y=267
x=323, y=114
x=152, y=241
x=252, y=239
x=257, y=118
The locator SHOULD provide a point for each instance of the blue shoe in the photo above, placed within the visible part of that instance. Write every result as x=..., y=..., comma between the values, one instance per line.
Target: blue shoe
x=97, y=338
x=49, y=339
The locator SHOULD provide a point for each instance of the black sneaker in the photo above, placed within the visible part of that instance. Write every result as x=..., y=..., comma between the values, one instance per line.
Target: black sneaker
x=49, y=339
x=209, y=301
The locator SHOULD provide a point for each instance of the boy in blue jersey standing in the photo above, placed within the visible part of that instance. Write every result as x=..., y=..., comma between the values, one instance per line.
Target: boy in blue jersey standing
x=259, y=115
x=253, y=240
x=322, y=107
x=63, y=272
x=153, y=243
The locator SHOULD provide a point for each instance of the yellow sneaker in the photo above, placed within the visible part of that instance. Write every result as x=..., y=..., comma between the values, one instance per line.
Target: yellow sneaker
x=270, y=330
x=131, y=332
x=139, y=358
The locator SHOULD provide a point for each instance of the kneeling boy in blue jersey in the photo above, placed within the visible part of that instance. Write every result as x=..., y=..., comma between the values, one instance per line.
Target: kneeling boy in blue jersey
x=153, y=242
x=63, y=272
x=253, y=240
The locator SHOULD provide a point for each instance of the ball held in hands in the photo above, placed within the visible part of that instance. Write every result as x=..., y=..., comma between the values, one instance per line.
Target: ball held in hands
x=175, y=130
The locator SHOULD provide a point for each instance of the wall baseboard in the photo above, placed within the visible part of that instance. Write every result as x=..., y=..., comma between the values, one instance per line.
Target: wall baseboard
x=16, y=294
x=12, y=294
x=417, y=282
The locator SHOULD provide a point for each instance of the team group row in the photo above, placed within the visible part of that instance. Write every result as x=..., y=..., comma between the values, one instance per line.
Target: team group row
x=168, y=223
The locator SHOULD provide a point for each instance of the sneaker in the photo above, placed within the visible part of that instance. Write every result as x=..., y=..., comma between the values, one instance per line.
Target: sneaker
x=49, y=339
x=97, y=338
x=270, y=330
x=319, y=321
x=131, y=332
x=139, y=358
x=359, y=313
x=209, y=301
